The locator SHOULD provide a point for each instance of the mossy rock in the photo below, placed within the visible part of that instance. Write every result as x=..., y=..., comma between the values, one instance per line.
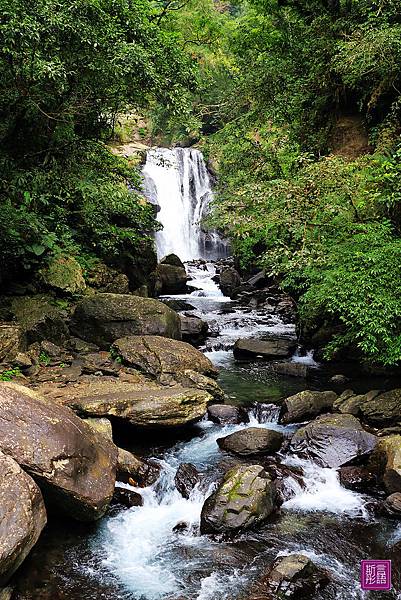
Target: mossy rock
x=63, y=274
x=39, y=319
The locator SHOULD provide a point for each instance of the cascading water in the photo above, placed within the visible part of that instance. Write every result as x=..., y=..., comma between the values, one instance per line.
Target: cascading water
x=177, y=181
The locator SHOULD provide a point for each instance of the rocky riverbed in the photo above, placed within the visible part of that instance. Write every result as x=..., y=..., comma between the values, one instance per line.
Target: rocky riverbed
x=238, y=469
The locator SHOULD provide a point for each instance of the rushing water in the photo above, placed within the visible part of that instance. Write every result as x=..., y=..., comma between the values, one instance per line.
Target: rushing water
x=178, y=183
x=136, y=554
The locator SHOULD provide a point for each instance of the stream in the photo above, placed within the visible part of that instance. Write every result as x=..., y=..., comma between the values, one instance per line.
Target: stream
x=134, y=554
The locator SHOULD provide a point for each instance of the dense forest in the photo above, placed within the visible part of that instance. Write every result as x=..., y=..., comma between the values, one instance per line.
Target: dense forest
x=295, y=103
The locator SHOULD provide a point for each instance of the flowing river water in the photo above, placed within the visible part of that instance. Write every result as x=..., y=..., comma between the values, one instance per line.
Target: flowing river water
x=135, y=554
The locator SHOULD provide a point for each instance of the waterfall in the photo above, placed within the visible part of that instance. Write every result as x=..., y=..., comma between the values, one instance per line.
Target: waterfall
x=177, y=181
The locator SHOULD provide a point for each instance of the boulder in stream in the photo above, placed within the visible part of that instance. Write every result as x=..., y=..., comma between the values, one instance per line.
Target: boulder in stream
x=358, y=479
x=229, y=280
x=74, y=466
x=226, y=414
x=392, y=505
x=193, y=329
x=387, y=460
x=22, y=516
x=252, y=441
x=170, y=279
x=246, y=497
x=126, y=497
x=333, y=440
x=382, y=409
x=293, y=576
x=104, y=318
x=269, y=348
x=186, y=478
x=306, y=405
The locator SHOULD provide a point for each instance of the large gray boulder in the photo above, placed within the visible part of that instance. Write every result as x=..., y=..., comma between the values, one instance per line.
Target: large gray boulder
x=306, y=405
x=104, y=318
x=245, y=498
x=229, y=280
x=74, y=466
x=142, y=405
x=333, y=440
x=226, y=414
x=269, y=348
x=382, y=410
x=252, y=441
x=22, y=516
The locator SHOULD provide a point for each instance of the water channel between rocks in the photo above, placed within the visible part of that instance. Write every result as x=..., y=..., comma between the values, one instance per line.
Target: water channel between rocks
x=136, y=555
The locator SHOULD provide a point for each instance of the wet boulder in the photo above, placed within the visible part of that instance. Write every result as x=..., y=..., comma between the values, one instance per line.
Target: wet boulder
x=387, y=461
x=293, y=576
x=351, y=403
x=333, y=440
x=22, y=516
x=392, y=505
x=162, y=358
x=74, y=466
x=170, y=279
x=186, y=478
x=173, y=260
x=269, y=348
x=306, y=405
x=131, y=468
x=126, y=497
x=193, y=329
x=358, y=479
x=229, y=280
x=225, y=414
x=104, y=318
x=246, y=497
x=141, y=405
x=382, y=410
x=252, y=441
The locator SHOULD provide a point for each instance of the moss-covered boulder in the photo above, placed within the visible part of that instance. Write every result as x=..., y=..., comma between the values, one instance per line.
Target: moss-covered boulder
x=64, y=275
x=40, y=319
x=245, y=498
x=104, y=318
x=306, y=405
x=22, y=516
x=11, y=341
x=333, y=440
x=383, y=409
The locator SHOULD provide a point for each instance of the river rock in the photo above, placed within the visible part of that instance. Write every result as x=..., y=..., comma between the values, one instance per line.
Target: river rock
x=351, y=403
x=193, y=329
x=291, y=369
x=339, y=379
x=170, y=279
x=141, y=405
x=229, y=280
x=104, y=318
x=74, y=466
x=225, y=414
x=189, y=378
x=186, y=478
x=39, y=319
x=130, y=467
x=11, y=341
x=306, y=405
x=387, y=460
x=293, y=576
x=246, y=497
x=333, y=440
x=356, y=478
x=252, y=441
x=383, y=409
x=22, y=516
x=102, y=426
x=392, y=505
x=126, y=497
x=161, y=358
x=269, y=348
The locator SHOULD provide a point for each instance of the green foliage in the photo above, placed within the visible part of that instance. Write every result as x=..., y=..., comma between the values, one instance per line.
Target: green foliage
x=10, y=374
x=44, y=359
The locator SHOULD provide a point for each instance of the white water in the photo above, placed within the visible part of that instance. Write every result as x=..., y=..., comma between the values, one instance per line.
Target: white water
x=178, y=182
